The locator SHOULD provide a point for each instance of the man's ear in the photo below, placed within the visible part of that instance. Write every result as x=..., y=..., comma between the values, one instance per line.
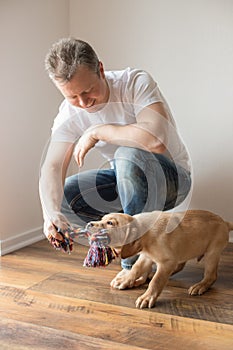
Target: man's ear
x=131, y=249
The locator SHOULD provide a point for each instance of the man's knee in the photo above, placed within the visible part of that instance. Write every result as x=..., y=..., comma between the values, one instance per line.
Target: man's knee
x=129, y=159
x=128, y=163
x=128, y=153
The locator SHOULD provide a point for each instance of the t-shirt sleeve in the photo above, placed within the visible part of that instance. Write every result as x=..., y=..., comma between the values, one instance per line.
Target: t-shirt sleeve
x=143, y=90
x=64, y=127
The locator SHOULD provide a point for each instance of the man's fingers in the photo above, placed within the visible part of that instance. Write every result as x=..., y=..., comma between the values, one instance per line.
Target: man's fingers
x=55, y=225
x=78, y=157
x=53, y=232
x=75, y=154
x=58, y=236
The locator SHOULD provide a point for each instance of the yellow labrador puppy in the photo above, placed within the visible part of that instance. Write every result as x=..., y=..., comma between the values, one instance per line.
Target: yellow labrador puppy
x=169, y=240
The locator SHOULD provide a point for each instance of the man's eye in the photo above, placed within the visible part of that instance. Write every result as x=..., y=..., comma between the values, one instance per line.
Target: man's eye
x=87, y=91
x=109, y=223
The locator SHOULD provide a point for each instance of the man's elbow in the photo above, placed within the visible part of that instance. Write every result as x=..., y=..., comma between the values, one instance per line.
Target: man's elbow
x=158, y=147
x=50, y=169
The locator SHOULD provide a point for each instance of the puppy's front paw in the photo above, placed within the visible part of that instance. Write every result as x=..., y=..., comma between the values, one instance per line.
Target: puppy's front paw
x=146, y=300
x=198, y=288
x=123, y=280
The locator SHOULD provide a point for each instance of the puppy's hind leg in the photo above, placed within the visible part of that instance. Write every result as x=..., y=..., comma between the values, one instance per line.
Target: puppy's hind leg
x=210, y=274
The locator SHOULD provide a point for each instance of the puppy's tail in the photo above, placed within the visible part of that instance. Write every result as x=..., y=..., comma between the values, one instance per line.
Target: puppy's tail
x=230, y=226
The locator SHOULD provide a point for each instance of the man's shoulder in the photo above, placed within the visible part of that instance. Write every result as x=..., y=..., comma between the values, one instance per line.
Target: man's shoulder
x=129, y=79
x=125, y=74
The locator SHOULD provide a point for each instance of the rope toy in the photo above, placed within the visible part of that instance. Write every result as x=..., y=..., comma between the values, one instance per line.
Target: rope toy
x=100, y=254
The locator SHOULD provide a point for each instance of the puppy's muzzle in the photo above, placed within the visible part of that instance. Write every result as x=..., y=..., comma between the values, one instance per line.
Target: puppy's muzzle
x=97, y=234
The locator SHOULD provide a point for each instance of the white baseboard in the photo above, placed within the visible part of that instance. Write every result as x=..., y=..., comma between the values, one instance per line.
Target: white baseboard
x=21, y=240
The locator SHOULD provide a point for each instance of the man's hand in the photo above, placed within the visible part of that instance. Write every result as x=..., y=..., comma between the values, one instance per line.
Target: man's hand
x=85, y=143
x=52, y=225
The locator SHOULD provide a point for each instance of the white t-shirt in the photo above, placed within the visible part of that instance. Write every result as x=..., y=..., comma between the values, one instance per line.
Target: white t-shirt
x=131, y=90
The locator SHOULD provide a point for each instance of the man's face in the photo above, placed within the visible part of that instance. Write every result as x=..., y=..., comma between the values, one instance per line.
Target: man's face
x=86, y=89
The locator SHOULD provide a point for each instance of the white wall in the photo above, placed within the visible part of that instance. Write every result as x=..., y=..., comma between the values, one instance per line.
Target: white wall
x=28, y=106
x=187, y=47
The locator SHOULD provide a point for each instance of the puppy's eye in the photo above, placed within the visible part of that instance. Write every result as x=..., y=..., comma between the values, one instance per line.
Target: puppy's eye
x=110, y=223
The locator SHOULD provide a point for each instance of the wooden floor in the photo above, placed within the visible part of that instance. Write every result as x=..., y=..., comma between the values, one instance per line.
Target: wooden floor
x=48, y=300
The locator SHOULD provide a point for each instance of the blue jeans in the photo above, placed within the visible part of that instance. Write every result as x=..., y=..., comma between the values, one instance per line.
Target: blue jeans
x=140, y=181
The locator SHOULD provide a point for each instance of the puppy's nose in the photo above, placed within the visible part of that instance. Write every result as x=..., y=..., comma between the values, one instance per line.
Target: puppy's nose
x=89, y=225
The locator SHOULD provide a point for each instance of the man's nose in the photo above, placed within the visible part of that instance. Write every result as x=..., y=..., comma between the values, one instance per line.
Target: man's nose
x=83, y=102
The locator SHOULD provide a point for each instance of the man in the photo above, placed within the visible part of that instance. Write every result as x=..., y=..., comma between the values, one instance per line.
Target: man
x=124, y=115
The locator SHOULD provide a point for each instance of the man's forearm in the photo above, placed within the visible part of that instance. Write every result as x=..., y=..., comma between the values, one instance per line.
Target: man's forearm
x=51, y=191
x=53, y=175
x=133, y=135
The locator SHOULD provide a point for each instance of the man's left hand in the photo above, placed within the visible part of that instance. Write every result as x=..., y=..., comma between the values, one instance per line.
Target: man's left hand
x=84, y=144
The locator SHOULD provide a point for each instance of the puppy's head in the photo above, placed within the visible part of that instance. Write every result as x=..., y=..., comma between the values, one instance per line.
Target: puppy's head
x=122, y=230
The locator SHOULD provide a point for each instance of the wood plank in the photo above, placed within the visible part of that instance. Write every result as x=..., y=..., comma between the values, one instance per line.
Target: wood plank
x=25, y=278
x=119, y=324
x=16, y=335
x=42, y=258
x=43, y=255
x=38, y=261
x=90, y=285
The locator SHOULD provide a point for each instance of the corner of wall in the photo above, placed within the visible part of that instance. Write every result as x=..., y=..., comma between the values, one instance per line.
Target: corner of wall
x=20, y=241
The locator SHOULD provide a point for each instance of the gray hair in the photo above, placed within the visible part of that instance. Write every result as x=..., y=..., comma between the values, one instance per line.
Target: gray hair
x=66, y=55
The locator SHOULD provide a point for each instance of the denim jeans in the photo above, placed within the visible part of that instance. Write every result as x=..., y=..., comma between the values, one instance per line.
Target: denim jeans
x=140, y=181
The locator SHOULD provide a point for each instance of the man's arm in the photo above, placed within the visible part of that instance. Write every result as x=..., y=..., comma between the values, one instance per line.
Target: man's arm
x=51, y=184
x=149, y=133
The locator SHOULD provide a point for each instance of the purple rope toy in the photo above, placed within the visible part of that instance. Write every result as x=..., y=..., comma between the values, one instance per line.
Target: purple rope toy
x=100, y=254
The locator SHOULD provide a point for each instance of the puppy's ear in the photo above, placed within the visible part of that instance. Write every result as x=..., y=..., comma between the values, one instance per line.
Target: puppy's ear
x=132, y=244
x=131, y=249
